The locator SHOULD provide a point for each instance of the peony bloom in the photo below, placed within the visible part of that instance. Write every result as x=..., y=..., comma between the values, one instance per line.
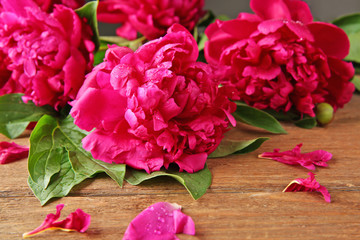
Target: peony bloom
x=153, y=107
x=45, y=55
x=295, y=157
x=278, y=58
x=308, y=185
x=160, y=221
x=76, y=221
x=149, y=17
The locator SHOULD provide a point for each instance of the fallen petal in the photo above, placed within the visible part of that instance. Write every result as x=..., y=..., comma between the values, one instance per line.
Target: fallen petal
x=76, y=221
x=295, y=157
x=161, y=221
x=308, y=185
x=10, y=152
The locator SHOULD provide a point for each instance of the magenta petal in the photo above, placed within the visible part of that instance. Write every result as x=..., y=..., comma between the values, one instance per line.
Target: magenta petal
x=299, y=11
x=98, y=107
x=76, y=221
x=10, y=152
x=295, y=157
x=161, y=221
x=270, y=9
x=330, y=38
x=308, y=185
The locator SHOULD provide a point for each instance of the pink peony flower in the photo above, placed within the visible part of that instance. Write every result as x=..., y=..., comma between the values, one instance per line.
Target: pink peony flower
x=295, y=157
x=10, y=152
x=48, y=5
x=160, y=221
x=47, y=54
x=76, y=221
x=153, y=107
x=308, y=185
x=149, y=17
x=278, y=58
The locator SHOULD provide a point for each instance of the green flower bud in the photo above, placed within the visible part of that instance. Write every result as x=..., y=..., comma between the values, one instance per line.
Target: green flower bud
x=324, y=113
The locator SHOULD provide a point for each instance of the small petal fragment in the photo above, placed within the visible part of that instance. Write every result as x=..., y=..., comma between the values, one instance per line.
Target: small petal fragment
x=10, y=152
x=308, y=185
x=76, y=221
x=295, y=157
x=161, y=221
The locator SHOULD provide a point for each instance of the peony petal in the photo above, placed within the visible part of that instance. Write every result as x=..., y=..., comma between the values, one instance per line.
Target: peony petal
x=295, y=157
x=340, y=88
x=308, y=185
x=160, y=221
x=17, y=6
x=240, y=29
x=192, y=163
x=98, y=108
x=270, y=9
x=330, y=38
x=299, y=11
x=10, y=152
x=76, y=221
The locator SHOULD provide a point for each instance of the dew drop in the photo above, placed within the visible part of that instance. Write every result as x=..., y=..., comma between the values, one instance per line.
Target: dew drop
x=157, y=232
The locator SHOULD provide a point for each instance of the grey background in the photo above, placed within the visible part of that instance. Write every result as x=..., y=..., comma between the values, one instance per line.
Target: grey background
x=323, y=10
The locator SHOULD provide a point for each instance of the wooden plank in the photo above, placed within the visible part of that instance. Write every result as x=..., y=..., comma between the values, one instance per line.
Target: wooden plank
x=244, y=202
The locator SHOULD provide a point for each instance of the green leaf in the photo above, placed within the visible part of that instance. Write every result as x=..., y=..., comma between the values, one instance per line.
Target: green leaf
x=201, y=44
x=61, y=183
x=306, y=122
x=356, y=82
x=15, y=115
x=133, y=44
x=282, y=116
x=351, y=25
x=232, y=146
x=13, y=130
x=88, y=11
x=99, y=57
x=196, y=183
x=56, y=143
x=257, y=118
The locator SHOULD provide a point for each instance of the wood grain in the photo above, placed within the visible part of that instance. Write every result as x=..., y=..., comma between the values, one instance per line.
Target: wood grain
x=244, y=202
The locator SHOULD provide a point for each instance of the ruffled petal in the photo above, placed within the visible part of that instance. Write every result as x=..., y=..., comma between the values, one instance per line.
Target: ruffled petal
x=295, y=157
x=308, y=185
x=76, y=221
x=10, y=152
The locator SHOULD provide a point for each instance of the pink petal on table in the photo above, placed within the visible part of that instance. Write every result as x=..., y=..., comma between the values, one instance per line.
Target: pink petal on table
x=10, y=152
x=160, y=221
x=308, y=185
x=76, y=221
x=295, y=157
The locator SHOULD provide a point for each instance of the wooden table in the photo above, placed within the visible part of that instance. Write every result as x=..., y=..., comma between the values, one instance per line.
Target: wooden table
x=245, y=200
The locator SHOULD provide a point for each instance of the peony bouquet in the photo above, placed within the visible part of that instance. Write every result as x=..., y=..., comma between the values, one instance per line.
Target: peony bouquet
x=158, y=98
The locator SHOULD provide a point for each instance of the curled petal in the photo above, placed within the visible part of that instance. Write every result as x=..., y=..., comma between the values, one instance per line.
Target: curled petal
x=76, y=221
x=308, y=185
x=270, y=9
x=295, y=157
x=299, y=11
x=161, y=221
x=10, y=152
x=330, y=38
